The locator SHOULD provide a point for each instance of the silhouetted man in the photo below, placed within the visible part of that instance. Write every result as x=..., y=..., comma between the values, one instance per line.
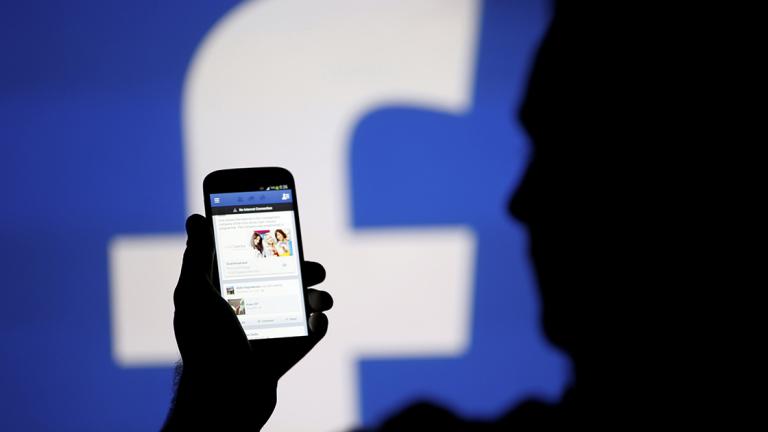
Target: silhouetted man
x=574, y=115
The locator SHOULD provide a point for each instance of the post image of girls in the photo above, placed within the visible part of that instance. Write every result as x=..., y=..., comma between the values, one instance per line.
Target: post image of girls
x=266, y=245
x=271, y=246
x=257, y=243
x=283, y=244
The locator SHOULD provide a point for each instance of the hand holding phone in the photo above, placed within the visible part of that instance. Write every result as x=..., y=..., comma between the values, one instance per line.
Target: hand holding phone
x=226, y=372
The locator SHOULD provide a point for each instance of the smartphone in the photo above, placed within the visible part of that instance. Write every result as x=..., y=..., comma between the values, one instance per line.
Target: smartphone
x=254, y=217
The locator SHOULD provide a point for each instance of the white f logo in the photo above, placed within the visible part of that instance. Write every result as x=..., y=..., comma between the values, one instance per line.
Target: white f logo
x=283, y=83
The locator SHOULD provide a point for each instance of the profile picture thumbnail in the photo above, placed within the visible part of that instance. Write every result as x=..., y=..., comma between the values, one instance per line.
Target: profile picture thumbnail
x=272, y=243
x=230, y=290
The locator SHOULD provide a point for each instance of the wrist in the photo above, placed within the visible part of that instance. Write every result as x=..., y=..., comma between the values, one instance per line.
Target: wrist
x=223, y=400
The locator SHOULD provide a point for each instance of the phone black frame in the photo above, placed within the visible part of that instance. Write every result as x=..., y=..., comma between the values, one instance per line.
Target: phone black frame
x=250, y=180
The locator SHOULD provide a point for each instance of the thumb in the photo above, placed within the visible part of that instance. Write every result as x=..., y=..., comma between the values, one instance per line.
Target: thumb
x=207, y=330
x=198, y=257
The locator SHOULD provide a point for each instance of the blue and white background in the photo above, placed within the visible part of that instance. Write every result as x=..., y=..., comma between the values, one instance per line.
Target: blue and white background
x=398, y=120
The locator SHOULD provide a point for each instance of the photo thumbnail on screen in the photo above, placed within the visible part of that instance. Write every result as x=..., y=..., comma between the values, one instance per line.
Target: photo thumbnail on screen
x=272, y=243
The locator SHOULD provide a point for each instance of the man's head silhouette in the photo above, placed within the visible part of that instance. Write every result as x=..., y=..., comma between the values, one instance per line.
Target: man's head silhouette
x=551, y=199
x=566, y=195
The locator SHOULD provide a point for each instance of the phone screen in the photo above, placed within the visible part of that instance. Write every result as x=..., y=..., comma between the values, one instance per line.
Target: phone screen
x=258, y=261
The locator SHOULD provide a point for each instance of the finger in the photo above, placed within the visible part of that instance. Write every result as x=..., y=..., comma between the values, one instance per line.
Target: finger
x=319, y=301
x=276, y=356
x=313, y=273
x=194, y=288
x=198, y=256
x=318, y=326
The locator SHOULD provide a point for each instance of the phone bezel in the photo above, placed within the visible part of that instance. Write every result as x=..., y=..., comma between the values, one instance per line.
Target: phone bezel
x=248, y=180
